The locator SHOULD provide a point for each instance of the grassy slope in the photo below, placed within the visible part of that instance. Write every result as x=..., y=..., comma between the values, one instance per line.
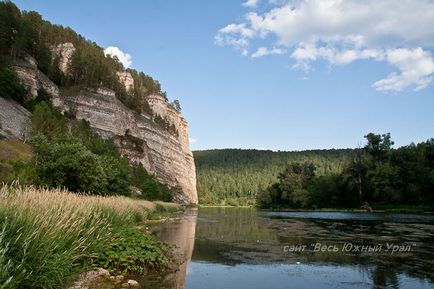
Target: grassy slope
x=14, y=150
x=47, y=237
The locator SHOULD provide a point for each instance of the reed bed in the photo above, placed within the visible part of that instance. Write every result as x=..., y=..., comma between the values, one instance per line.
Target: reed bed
x=48, y=236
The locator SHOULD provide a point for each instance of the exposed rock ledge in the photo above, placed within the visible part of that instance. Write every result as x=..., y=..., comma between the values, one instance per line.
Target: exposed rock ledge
x=163, y=154
x=14, y=119
x=166, y=155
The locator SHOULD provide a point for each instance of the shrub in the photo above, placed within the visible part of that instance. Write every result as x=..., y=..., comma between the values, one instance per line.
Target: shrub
x=133, y=251
x=46, y=120
x=6, y=172
x=151, y=188
x=232, y=202
x=68, y=163
x=10, y=84
x=43, y=96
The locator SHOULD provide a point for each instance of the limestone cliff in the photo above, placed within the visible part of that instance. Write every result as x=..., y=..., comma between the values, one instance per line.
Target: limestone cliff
x=34, y=79
x=63, y=54
x=163, y=153
x=14, y=119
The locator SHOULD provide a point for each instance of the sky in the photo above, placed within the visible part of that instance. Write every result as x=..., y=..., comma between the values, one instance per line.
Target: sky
x=275, y=74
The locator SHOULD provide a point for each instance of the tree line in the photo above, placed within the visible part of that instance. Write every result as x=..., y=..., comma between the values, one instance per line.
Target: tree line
x=375, y=175
x=235, y=176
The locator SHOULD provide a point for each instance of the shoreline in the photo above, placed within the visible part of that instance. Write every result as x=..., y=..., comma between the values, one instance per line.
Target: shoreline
x=397, y=210
x=101, y=278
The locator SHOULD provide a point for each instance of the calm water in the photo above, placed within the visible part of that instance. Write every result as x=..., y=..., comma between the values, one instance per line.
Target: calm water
x=244, y=248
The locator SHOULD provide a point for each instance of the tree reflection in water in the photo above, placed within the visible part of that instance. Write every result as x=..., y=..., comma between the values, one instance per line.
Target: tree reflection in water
x=238, y=246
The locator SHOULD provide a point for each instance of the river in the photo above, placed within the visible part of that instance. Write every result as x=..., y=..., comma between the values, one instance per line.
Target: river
x=246, y=248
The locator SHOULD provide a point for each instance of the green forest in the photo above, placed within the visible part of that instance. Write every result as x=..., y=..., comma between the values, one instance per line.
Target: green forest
x=376, y=175
x=65, y=152
x=235, y=176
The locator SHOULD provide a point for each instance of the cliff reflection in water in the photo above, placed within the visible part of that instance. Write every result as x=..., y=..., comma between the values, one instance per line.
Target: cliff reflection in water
x=180, y=233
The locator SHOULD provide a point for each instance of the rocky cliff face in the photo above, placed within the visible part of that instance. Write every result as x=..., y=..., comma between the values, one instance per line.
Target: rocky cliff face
x=137, y=136
x=127, y=79
x=14, y=119
x=34, y=79
x=160, y=152
x=63, y=53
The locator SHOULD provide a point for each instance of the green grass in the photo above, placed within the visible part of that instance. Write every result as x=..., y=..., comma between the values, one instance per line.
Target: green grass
x=12, y=154
x=47, y=237
x=11, y=150
x=132, y=251
x=163, y=210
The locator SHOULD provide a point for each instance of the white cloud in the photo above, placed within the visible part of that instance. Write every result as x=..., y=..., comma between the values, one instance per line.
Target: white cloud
x=251, y=3
x=343, y=31
x=264, y=51
x=236, y=35
x=278, y=2
x=369, y=22
x=192, y=140
x=416, y=68
x=306, y=54
x=123, y=57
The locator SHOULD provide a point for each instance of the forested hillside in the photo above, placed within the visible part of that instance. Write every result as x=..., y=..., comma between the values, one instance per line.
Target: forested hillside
x=235, y=176
x=376, y=175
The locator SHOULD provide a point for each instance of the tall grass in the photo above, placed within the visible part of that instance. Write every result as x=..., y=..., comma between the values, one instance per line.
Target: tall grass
x=48, y=236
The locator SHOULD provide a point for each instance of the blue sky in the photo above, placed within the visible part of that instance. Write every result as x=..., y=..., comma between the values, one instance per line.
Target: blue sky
x=314, y=86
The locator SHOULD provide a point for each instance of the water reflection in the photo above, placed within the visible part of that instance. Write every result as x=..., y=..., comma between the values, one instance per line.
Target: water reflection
x=243, y=248
x=180, y=233
x=351, y=216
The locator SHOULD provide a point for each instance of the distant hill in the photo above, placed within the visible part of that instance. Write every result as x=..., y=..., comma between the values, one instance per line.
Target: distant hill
x=226, y=176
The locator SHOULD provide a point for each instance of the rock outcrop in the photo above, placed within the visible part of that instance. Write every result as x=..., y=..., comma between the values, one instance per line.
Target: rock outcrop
x=161, y=152
x=14, y=119
x=127, y=79
x=34, y=79
x=160, y=106
x=63, y=53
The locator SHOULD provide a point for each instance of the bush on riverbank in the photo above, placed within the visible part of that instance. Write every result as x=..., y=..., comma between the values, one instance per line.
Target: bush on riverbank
x=133, y=251
x=47, y=237
x=163, y=211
